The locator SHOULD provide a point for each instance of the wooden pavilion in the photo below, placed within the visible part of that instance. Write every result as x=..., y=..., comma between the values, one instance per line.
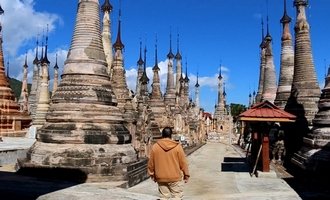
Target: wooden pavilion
x=260, y=118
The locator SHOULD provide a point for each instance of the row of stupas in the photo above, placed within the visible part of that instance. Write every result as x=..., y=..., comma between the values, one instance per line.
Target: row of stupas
x=297, y=92
x=92, y=121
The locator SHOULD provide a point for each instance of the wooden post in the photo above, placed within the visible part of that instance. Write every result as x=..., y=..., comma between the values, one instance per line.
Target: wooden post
x=265, y=152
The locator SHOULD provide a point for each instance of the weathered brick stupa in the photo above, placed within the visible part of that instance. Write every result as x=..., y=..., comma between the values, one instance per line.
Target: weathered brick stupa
x=262, y=64
x=11, y=119
x=305, y=91
x=287, y=63
x=315, y=154
x=84, y=129
x=269, y=87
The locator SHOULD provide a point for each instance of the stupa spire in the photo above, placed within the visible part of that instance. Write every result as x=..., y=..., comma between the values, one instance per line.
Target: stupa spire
x=118, y=80
x=269, y=85
x=170, y=97
x=287, y=63
x=178, y=59
x=55, y=83
x=197, y=93
x=262, y=63
x=140, y=64
x=107, y=34
x=33, y=97
x=23, y=99
x=156, y=92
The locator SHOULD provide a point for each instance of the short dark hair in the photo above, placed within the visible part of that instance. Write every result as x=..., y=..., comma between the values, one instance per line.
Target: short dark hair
x=167, y=132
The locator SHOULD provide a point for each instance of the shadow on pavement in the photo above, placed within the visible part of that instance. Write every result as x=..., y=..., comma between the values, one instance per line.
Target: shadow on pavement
x=234, y=164
x=309, y=186
x=31, y=185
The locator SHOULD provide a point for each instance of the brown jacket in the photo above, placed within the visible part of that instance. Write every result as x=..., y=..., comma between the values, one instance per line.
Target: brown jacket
x=167, y=161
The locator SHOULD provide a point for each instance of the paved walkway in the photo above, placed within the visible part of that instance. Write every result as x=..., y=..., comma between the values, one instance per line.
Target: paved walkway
x=217, y=171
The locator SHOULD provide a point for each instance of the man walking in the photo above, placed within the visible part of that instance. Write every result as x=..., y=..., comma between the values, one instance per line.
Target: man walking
x=168, y=165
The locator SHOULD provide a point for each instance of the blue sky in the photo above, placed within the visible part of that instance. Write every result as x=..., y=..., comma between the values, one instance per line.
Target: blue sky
x=212, y=32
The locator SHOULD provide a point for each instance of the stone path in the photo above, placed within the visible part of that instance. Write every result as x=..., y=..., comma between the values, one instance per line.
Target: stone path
x=218, y=171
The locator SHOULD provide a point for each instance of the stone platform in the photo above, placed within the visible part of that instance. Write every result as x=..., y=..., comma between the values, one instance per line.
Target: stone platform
x=12, y=148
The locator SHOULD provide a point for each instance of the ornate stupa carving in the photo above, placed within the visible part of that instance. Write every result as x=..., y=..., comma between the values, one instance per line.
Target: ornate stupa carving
x=170, y=96
x=118, y=80
x=23, y=99
x=11, y=118
x=269, y=86
x=55, y=83
x=262, y=64
x=106, y=35
x=44, y=98
x=305, y=90
x=287, y=63
x=34, y=86
x=84, y=129
x=315, y=154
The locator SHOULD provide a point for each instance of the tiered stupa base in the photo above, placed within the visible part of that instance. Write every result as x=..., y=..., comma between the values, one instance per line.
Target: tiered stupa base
x=95, y=162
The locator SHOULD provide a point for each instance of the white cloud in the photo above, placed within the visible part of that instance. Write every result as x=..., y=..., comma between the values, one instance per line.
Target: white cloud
x=22, y=23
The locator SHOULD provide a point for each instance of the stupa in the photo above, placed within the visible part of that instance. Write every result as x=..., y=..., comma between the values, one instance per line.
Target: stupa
x=84, y=127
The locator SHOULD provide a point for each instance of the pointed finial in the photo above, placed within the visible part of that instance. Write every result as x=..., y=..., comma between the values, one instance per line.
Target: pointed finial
x=197, y=84
x=42, y=45
x=220, y=74
x=170, y=54
x=224, y=89
x=45, y=59
x=8, y=69
x=178, y=55
x=144, y=78
x=156, y=55
x=145, y=56
x=285, y=19
x=25, y=64
x=268, y=37
x=300, y=2
x=56, y=66
x=36, y=60
x=118, y=45
x=140, y=61
x=186, y=78
x=106, y=7
x=1, y=11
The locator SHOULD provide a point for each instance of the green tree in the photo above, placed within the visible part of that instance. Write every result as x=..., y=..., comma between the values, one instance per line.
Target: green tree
x=236, y=109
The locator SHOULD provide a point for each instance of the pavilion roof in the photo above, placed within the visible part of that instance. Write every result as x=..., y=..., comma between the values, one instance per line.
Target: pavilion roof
x=267, y=112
